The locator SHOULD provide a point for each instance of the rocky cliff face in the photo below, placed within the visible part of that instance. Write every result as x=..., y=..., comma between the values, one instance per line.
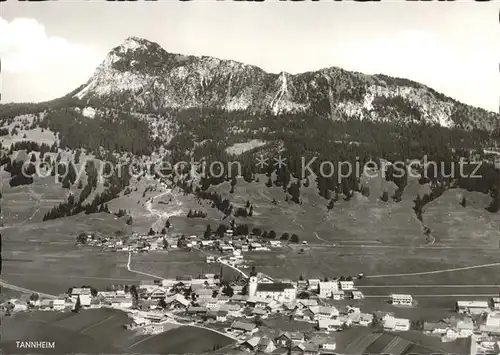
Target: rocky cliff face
x=140, y=75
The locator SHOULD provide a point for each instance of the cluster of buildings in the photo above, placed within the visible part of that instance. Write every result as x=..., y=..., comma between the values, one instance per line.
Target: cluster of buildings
x=204, y=300
x=136, y=243
x=292, y=342
x=337, y=288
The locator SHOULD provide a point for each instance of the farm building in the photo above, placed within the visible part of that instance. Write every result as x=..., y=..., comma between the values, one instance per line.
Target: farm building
x=329, y=324
x=244, y=327
x=401, y=299
x=472, y=307
x=122, y=302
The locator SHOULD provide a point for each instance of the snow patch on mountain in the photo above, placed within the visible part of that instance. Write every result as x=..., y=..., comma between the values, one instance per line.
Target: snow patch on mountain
x=240, y=148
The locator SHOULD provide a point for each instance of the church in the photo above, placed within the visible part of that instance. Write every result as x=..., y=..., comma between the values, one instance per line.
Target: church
x=278, y=291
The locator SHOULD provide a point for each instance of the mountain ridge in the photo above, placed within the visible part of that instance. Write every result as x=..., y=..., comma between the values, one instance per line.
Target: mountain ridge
x=141, y=75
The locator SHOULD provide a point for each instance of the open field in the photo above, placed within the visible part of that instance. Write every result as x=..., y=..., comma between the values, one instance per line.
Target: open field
x=375, y=237
x=43, y=256
x=68, y=331
x=362, y=219
x=28, y=203
x=100, y=331
x=173, y=263
x=358, y=340
x=181, y=340
x=453, y=224
x=330, y=262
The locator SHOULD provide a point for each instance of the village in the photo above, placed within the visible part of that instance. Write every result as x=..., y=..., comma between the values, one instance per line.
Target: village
x=239, y=308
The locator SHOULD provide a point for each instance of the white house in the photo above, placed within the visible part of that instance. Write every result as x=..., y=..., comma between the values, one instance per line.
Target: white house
x=85, y=300
x=365, y=319
x=122, y=302
x=327, y=288
x=20, y=307
x=357, y=295
x=206, y=243
x=328, y=345
x=313, y=284
x=277, y=291
x=329, y=324
x=396, y=324
x=275, y=243
x=338, y=295
x=78, y=291
x=495, y=303
x=401, y=299
x=435, y=327
x=169, y=282
x=346, y=285
x=465, y=328
x=282, y=292
x=59, y=304
x=493, y=320
x=472, y=307
x=321, y=312
x=226, y=249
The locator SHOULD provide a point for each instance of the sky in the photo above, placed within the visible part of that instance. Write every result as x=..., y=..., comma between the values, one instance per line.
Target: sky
x=47, y=49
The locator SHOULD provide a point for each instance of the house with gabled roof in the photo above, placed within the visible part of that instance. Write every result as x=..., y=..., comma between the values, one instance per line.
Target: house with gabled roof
x=311, y=349
x=435, y=327
x=277, y=291
x=284, y=339
x=495, y=303
x=259, y=312
x=250, y=344
x=327, y=344
x=472, y=307
x=265, y=345
x=329, y=324
x=338, y=295
x=45, y=305
x=322, y=312
x=239, y=298
x=177, y=301
x=244, y=327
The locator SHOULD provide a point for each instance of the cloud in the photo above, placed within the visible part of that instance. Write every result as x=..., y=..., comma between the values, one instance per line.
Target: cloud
x=39, y=67
x=26, y=47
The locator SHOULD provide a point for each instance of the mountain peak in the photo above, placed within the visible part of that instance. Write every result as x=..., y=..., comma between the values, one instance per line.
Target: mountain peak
x=132, y=43
x=140, y=75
